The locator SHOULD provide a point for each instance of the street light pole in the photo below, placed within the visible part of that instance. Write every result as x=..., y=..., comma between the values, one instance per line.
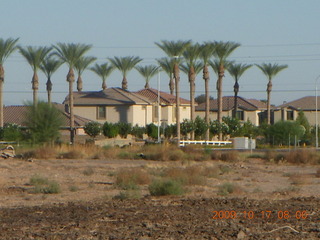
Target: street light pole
x=159, y=138
x=316, y=93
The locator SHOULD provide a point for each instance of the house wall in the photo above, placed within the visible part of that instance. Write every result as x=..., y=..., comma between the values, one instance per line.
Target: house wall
x=141, y=115
x=89, y=112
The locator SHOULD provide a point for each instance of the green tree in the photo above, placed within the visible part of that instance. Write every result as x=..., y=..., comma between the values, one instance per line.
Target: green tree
x=103, y=71
x=125, y=64
x=283, y=131
x=167, y=65
x=222, y=51
x=152, y=131
x=124, y=129
x=35, y=56
x=147, y=72
x=43, y=122
x=7, y=47
x=236, y=71
x=70, y=53
x=175, y=49
x=93, y=129
x=202, y=98
x=12, y=132
x=138, y=131
x=206, y=52
x=303, y=121
x=200, y=126
x=187, y=126
x=270, y=70
x=81, y=65
x=48, y=66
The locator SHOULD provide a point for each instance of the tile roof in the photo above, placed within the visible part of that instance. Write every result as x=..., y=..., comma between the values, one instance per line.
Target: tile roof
x=228, y=104
x=16, y=114
x=165, y=98
x=109, y=96
x=304, y=103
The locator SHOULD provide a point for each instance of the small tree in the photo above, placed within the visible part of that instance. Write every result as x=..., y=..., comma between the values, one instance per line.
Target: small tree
x=43, y=122
x=138, y=131
x=152, y=130
x=200, y=126
x=11, y=132
x=93, y=129
x=187, y=126
x=283, y=131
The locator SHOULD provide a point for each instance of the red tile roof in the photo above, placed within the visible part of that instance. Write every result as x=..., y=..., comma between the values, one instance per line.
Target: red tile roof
x=305, y=103
x=165, y=98
x=16, y=114
x=228, y=104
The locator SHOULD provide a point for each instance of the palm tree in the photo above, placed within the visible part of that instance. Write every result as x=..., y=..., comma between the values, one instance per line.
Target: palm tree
x=270, y=70
x=70, y=53
x=167, y=65
x=175, y=49
x=81, y=65
x=221, y=53
x=48, y=66
x=147, y=72
x=236, y=71
x=191, y=55
x=125, y=64
x=206, y=51
x=103, y=71
x=7, y=47
x=35, y=56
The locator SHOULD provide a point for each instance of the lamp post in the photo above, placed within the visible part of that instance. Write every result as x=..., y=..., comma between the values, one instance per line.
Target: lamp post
x=159, y=138
x=316, y=93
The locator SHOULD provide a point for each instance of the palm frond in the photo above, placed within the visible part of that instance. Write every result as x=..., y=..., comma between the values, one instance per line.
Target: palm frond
x=7, y=47
x=270, y=70
x=147, y=71
x=237, y=70
x=34, y=55
x=224, y=49
x=125, y=64
x=83, y=63
x=49, y=65
x=102, y=70
x=173, y=49
x=206, y=51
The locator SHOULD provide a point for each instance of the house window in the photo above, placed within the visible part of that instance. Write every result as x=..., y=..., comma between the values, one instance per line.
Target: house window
x=290, y=115
x=240, y=115
x=101, y=112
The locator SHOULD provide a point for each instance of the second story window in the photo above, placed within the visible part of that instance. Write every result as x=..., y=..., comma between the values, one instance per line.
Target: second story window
x=101, y=112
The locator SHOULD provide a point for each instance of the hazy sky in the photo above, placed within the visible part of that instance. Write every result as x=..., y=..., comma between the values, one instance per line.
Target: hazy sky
x=270, y=31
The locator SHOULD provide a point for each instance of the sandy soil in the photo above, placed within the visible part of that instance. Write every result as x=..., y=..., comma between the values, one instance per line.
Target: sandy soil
x=265, y=191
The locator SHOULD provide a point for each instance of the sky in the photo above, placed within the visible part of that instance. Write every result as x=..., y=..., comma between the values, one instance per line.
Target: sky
x=269, y=31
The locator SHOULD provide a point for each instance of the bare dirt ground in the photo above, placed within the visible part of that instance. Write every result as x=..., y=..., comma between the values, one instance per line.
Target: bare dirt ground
x=271, y=201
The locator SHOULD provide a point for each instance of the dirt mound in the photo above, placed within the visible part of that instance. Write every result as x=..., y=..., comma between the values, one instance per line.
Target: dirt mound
x=166, y=218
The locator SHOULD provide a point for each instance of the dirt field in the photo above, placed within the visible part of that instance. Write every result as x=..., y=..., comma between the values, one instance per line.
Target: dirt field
x=271, y=201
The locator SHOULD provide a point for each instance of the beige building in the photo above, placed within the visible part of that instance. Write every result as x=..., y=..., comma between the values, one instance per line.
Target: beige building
x=118, y=105
x=248, y=109
x=290, y=110
x=167, y=105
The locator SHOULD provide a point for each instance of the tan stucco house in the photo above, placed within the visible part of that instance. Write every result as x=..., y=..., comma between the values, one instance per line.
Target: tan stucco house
x=248, y=109
x=112, y=105
x=290, y=110
x=167, y=106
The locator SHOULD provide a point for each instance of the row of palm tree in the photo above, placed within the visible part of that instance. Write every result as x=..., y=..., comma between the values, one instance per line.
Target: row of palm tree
x=190, y=58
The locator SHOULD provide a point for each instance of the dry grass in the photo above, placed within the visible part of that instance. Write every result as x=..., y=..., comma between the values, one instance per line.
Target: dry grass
x=318, y=173
x=131, y=178
x=299, y=179
x=302, y=156
x=192, y=175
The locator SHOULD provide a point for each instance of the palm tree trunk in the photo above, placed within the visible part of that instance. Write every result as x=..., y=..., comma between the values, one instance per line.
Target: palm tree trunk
x=171, y=85
x=207, y=102
x=236, y=90
x=1, y=94
x=269, y=89
x=177, y=79
x=79, y=83
x=35, y=87
x=124, y=83
x=49, y=89
x=104, y=85
x=70, y=79
x=219, y=89
x=192, y=89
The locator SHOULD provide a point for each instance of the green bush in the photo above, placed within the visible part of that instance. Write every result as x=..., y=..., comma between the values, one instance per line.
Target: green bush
x=11, y=132
x=43, y=185
x=166, y=187
x=152, y=130
x=110, y=130
x=124, y=129
x=93, y=129
x=138, y=131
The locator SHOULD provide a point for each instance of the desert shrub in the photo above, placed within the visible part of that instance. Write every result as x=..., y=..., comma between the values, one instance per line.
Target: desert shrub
x=88, y=171
x=226, y=188
x=43, y=185
x=163, y=153
x=215, y=155
x=163, y=187
x=211, y=172
x=301, y=156
x=93, y=129
x=128, y=194
x=131, y=178
x=192, y=175
x=230, y=156
x=72, y=154
x=73, y=188
x=110, y=130
x=43, y=122
x=45, y=153
x=225, y=169
x=298, y=179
